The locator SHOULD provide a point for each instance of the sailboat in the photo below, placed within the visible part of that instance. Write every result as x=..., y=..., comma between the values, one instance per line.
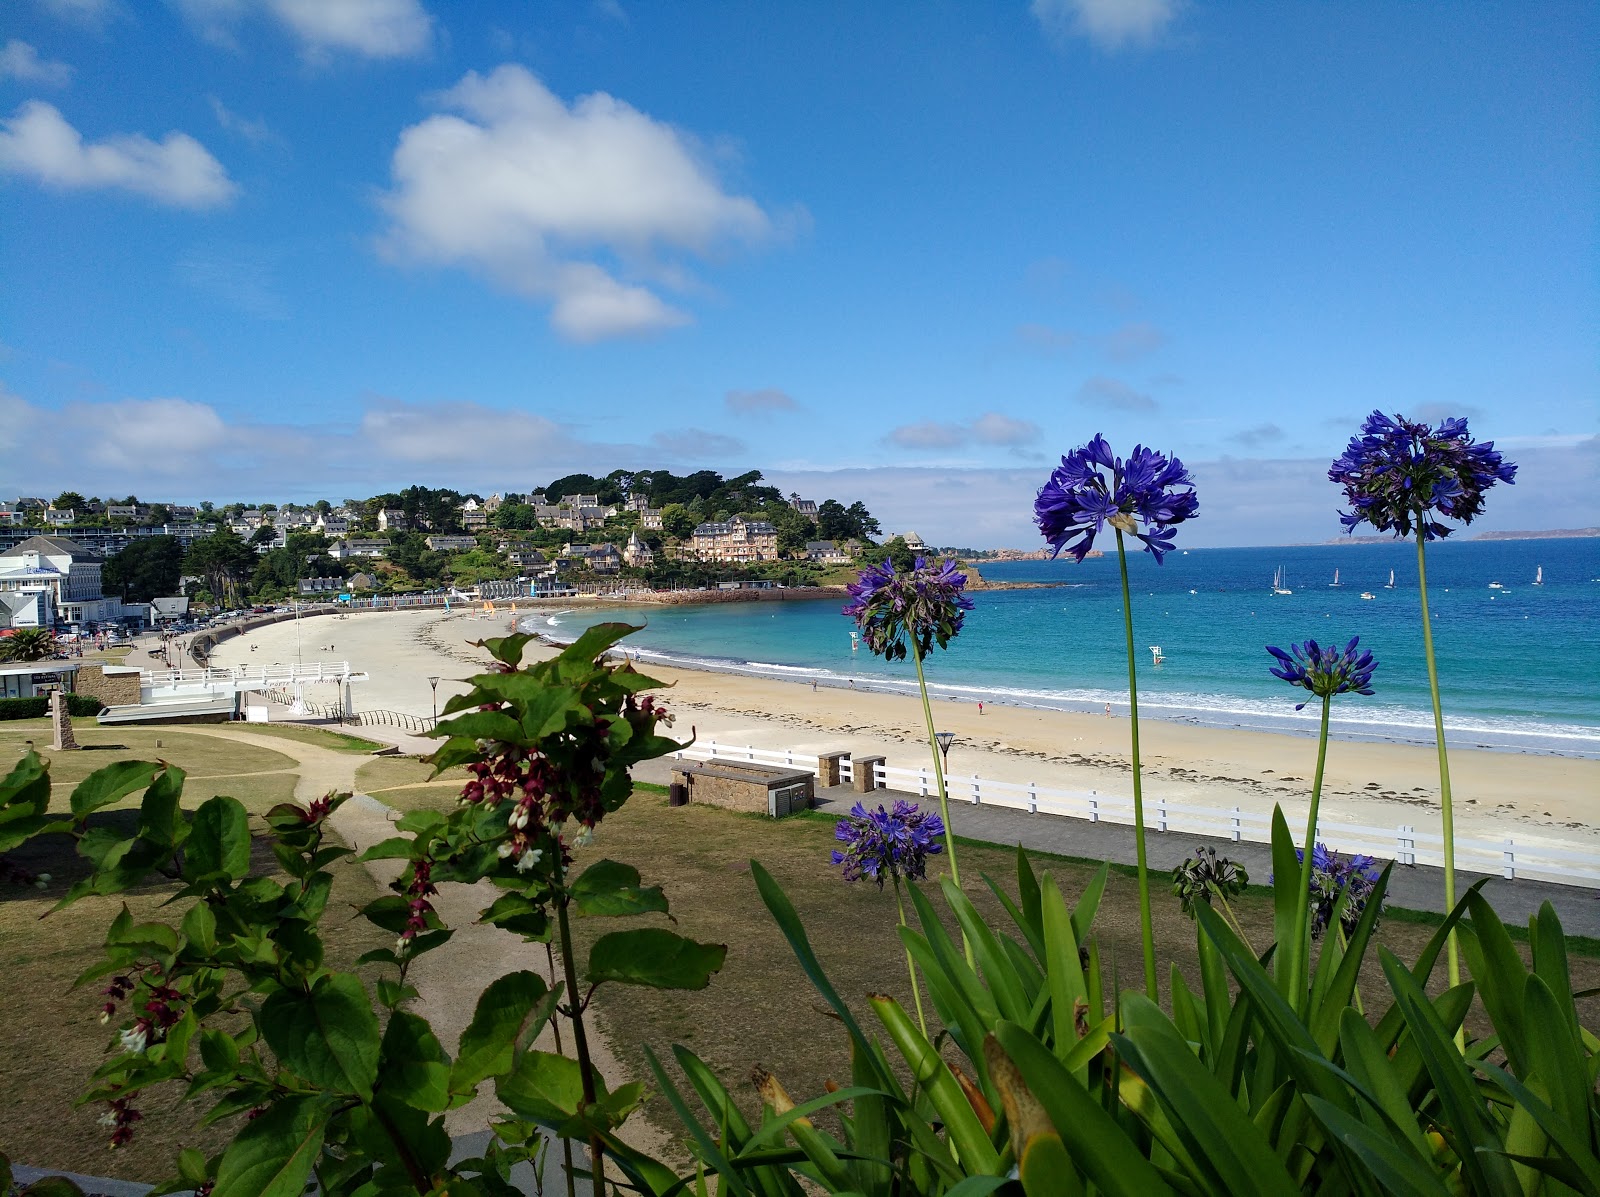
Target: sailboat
x=1538, y=577
x=1335, y=582
x=1496, y=586
x=1390, y=585
x=1277, y=583
x=1367, y=594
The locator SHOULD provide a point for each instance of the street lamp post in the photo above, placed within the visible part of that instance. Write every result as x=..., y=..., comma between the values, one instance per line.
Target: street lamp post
x=945, y=739
x=434, y=682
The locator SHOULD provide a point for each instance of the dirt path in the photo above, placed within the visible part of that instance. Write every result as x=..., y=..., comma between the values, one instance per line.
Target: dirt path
x=450, y=978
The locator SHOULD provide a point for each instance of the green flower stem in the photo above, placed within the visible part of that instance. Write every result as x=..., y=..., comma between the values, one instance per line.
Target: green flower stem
x=555, y=1028
x=938, y=777
x=1302, y=922
x=916, y=991
x=1147, y=932
x=938, y=766
x=580, y=1040
x=1446, y=806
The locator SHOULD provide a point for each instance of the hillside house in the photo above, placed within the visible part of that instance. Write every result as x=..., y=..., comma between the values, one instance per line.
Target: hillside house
x=451, y=544
x=737, y=541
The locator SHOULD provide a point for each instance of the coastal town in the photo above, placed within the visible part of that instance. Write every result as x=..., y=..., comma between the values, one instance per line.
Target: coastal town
x=83, y=567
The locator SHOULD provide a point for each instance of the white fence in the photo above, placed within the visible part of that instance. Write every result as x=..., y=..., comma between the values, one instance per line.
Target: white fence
x=1403, y=844
x=314, y=671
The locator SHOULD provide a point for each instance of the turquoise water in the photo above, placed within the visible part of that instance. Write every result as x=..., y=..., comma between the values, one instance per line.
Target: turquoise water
x=1518, y=664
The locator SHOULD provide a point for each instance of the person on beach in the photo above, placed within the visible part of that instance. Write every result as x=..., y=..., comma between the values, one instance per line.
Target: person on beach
x=1108, y=710
x=980, y=708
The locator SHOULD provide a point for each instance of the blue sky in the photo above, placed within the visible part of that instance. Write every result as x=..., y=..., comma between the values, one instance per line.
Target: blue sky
x=288, y=249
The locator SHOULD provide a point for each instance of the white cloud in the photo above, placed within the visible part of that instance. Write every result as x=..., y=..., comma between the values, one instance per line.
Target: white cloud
x=1114, y=395
x=516, y=185
x=40, y=144
x=375, y=28
x=257, y=132
x=1261, y=434
x=457, y=433
x=1109, y=24
x=762, y=402
x=91, y=14
x=1134, y=340
x=20, y=61
x=131, y=433
x=991, y=428
x=696, y=444
x=371, y=28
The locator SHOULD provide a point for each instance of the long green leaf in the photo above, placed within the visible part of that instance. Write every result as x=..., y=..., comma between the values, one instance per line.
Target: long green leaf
x=1288, y=898
x=1569, y=1140
x=1063, y=969
x=1397, y=1171
x=1089, y=903
x=1335, y=999
x=971, y=1141
x=1096, y=1142
x=1462, y=1109
x=1238, y=1158
x=1500, y=976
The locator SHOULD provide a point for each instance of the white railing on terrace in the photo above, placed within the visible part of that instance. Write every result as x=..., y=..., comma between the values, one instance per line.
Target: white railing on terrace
x=313, y=671
x=1403, y=844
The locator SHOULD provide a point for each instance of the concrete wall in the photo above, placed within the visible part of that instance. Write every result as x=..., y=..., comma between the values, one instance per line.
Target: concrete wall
x=743, y=787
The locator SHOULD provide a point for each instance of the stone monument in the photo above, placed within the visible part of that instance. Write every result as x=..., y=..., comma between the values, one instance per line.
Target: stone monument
x=65, y=741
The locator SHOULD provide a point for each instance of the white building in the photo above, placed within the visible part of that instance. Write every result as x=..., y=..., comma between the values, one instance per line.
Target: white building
x=391, y=519
x=342, y=550
x=451, y=544
x=636, y=553
x=64, y=573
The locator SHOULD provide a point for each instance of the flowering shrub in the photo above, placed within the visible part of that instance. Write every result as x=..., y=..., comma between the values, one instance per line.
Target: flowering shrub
x=887, y=845
x=1333, y=876
x=925, y=605
x=326, y=1084
x=1325, y=672
x=1080, y=499
x=1205, y=875
x=1400, y=473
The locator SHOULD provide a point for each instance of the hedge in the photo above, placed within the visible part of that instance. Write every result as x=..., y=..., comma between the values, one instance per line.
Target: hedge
x=78, y=705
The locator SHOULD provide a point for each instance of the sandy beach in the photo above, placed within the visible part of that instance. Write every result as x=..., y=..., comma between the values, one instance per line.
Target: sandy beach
x=1534, y=798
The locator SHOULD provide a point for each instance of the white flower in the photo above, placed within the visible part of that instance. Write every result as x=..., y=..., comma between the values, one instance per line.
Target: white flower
x=529, y=859
x=400, y=945
x=584, y=838
x=506, y=849
x=135, y=1039
x=108, y=1119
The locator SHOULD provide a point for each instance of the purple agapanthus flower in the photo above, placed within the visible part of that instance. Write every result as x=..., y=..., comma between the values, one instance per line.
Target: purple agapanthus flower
x=1399, y=474
x=1332, y=875
x=1325, y=671
x=1092, y=488
x=887, y=845
x=927, y=603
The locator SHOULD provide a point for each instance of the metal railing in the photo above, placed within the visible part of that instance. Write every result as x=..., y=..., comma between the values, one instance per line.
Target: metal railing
x=334, y=713
x=314, y=671
x=1404, y=843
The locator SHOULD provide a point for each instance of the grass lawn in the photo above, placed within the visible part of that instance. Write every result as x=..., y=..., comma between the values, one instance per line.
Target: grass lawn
x=319, y=737
x=406, y=783
x=51, y=1040
x=257, y=777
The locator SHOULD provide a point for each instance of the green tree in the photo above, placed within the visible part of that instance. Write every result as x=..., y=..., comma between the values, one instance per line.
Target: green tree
x=29, y=644
x=676, y=521
x=223, y=560
x=148, y=568
x=69, y=499
x=515, y=516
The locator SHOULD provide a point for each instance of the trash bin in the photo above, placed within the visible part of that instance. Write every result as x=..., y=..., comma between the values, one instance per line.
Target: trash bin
x=677, y=794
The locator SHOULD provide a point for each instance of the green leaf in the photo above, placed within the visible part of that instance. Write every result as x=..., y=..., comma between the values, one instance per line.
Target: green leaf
x=219, y=841
x=111, y=784
x=415, y=1069
x=1396, y=1170
x=654, y=957
x=483, y=725
x=159, y=820
x=329, y=1036
x=51, y=1186
x=397, y=847
x=596, y=640
x=609, y=887
x=505, y=1011
x=27, y=787
x=273, y=1154
x=544, y=1087
x=199, y=927
x=1097, y=1143
x=1235, y=1154
x=933, y=1075
x=1063, y=970
x=1288, y=899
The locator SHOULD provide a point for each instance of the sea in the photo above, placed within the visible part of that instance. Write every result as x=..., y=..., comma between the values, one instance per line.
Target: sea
x=1518, y=661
